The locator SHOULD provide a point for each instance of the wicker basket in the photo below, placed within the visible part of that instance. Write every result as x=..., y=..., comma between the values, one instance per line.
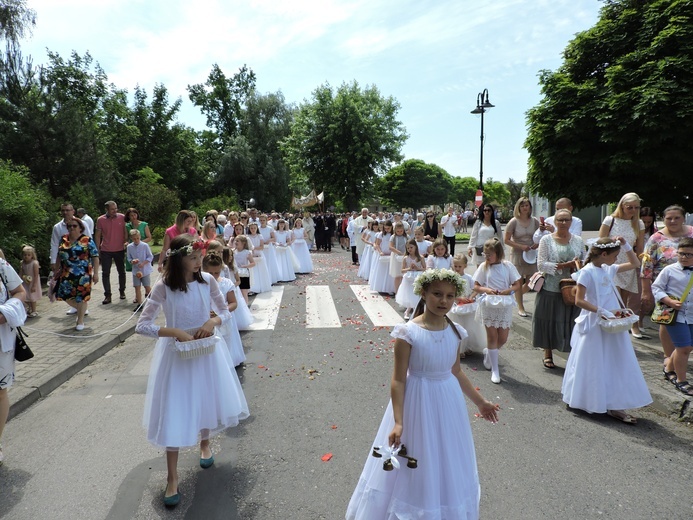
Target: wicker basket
x=196, y=347
x=623, y=322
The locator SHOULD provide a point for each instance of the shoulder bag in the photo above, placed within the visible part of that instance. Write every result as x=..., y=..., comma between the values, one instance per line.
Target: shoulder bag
x=22, y=352
x=665, y=315
x=568, y=288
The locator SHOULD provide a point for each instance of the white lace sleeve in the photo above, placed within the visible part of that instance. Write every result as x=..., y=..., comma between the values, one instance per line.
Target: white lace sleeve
x=146, y=325
x=219, y=304
x=401, y=331
x=543, y=263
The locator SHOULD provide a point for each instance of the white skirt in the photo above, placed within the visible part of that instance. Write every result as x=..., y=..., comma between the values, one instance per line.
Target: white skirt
x=243, y=316
x=300, y=249
x=476, y=340
x=229, y=332
x=186, y=396
x=285, y=264
x=271, y=257
x=396, y=265
x=405, y=294
x=259, y=275
x=495, y=311
x=380, y=279
x=365, y=262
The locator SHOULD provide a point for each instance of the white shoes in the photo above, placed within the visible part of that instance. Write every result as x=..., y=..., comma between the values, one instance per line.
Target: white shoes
x=73, y=311
x=79, y=326
x=495, y=378
x=487, y=360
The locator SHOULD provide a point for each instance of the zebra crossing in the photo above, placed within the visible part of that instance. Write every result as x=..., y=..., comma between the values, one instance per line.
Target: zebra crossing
x=321, y=309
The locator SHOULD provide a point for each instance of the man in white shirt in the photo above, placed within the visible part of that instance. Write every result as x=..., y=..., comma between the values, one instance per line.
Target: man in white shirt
x=359, y=224
x=448, y=224
x=88, y=221
x=550, y=227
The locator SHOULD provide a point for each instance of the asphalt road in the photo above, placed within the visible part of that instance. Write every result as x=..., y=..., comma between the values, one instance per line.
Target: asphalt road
x=81, y=452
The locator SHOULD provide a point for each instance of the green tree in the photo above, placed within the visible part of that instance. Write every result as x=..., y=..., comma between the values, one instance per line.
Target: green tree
x=342, y=140
x=414, y=184
x=516, y=190
x=23, y=217
x=618, y=114
x=16, y=20
x=222, y=99
x=157, y=204
x=464, y=190
x=496, y=193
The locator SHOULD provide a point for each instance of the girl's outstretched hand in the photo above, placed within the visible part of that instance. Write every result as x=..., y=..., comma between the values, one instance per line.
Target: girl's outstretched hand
x=489, y=411
x=205, y=331
x=395, y=437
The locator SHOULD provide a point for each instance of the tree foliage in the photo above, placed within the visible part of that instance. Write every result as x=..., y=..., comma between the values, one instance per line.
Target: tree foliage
x=463, y=190
x=16, y=21
x=496, y=193
x=414, y=184
x=342, y=140
x=618, y=113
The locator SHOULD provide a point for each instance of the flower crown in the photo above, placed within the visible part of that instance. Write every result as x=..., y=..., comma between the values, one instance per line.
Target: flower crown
x=197, y=245
x=439, y=275
x=610, y=245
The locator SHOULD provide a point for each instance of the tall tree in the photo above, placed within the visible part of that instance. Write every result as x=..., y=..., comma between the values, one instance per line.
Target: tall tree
x=464, y=190
x=16, y=20
x=222, y=100
x=618, y=114
x=342, y=140
x=414, y=184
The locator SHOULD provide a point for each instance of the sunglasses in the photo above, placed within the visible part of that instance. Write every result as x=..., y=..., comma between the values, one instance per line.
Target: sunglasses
x=70, y=226
x=487, y=210
x=631, y=207
x=564, y=220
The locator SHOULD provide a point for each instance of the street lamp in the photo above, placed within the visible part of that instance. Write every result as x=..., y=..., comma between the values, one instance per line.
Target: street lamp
x=248, y=203
x=482, y=105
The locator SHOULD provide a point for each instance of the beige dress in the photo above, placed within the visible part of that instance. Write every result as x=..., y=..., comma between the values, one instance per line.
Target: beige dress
x=627, y=280
x=522, y=235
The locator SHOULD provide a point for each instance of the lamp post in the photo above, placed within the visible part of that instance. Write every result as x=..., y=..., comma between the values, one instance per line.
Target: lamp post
x=482, y=105
x=248, y=203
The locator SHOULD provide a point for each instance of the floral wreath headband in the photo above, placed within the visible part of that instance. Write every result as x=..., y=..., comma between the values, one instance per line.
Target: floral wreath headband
x=439, y=275
x=197, y=245
x=610, y=245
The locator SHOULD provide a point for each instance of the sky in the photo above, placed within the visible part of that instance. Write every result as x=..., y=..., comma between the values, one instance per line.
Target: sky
x=433, y=57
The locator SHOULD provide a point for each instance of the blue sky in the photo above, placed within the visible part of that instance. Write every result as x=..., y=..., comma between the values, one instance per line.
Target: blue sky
x=433, y=57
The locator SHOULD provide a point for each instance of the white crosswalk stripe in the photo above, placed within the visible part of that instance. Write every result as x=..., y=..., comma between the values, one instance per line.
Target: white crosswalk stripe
x=265, y=308
x=379, y=311
x=321, y=310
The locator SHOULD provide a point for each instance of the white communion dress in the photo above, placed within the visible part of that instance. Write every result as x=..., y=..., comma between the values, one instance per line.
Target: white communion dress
x=244, y=317
x=366, y=257
x=270, y=253
x=186, y=396
x=405, y=294
x=436, y=431
x=301, y=251
x=602, y=372
x=285, y=257
x=229, y=329
x=259, y=274
x=465, y=315
x=380, y=279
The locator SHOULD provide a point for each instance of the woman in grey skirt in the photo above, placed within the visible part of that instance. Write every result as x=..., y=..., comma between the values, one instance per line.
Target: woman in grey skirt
x=553, y=320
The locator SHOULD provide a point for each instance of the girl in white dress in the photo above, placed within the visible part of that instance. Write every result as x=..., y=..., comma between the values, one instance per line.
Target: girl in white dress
x=242, y=313
x=427, y=413
x=368, y=237
x=213, y=264
x=189, y=397
x=268, y=240
x=259, y=274
x=284, y=254
x=398, y=250
x=412, y=266
x=243, y=257
x=464, y=309
x=440, y=259
x=421, y=242
x=380, y=279
x=496, y=279
x=602, y=373
x=300, y=248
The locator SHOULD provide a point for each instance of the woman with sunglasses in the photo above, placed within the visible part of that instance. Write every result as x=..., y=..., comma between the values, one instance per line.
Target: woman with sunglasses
x=661, y=250
x=78, y=268
x=431, y=228
x=625, y=222
x=485, y=228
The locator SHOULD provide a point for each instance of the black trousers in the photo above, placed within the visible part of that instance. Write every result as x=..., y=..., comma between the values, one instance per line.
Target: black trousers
x=107, y=258
x=354, y=256
x=451, y=245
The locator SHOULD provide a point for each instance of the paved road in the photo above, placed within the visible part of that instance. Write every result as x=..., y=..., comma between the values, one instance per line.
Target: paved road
x=80, y=453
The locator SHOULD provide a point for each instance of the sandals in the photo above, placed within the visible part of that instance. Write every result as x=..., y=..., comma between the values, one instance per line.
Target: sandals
x=622, y=416
x=669, y=376
x=548, y=363
x=685, y=388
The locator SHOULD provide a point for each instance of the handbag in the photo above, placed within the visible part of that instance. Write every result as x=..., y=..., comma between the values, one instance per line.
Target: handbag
x=22, y=352
x=536, y=281
x=665, y=315
x=479, y=250
x=568, y=288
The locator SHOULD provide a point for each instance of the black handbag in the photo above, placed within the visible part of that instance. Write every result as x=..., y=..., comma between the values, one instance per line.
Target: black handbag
x=22, y=352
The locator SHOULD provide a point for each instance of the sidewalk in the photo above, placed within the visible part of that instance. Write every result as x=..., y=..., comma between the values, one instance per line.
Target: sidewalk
x=60, y=351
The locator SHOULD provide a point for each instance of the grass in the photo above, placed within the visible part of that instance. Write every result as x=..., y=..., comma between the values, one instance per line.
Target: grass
x=462, y=237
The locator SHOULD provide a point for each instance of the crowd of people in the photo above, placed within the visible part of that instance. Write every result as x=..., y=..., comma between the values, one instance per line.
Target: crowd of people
x=209, y=267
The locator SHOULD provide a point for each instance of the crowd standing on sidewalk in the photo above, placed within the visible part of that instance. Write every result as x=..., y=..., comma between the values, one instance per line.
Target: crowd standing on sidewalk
x=248, y=252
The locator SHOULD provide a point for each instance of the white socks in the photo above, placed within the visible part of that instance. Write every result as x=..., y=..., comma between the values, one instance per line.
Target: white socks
x=495, y=373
